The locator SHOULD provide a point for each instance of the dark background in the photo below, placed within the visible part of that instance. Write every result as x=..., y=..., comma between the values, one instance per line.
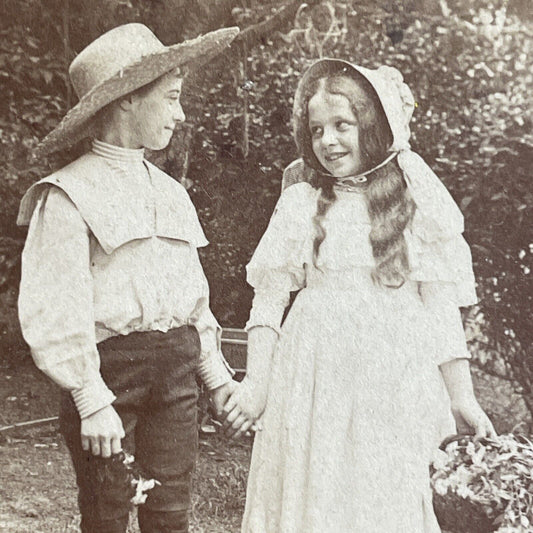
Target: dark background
x=468, y=63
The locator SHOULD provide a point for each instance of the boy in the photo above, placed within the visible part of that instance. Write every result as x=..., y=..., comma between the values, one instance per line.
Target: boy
x=113, y=300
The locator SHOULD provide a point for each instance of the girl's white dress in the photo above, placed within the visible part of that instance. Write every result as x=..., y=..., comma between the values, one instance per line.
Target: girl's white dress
x=356, y=402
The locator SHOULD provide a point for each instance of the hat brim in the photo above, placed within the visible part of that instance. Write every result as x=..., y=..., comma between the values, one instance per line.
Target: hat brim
x=75, y=125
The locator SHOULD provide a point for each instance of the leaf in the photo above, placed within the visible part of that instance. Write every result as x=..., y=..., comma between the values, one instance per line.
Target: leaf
x=47, y=76
x=465, y=202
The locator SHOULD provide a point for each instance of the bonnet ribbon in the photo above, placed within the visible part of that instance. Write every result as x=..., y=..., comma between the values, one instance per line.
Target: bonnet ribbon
x=437, y=215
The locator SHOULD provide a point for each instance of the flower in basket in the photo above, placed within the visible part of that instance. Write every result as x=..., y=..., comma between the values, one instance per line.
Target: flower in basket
x=485, y=485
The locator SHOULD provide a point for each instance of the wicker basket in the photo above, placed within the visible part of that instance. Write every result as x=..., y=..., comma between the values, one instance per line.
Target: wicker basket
x=458, y=515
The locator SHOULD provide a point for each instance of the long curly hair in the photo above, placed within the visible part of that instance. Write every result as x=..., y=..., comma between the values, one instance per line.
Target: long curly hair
x=390, y=206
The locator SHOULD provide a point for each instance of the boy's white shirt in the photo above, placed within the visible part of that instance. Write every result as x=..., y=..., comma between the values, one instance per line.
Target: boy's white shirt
x=111, y=249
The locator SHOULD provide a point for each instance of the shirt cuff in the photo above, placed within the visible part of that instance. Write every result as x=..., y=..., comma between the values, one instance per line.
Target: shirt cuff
x=452, y=356
x=250, y=325
x=215, y=371
x=265, y=315
x=93, y=396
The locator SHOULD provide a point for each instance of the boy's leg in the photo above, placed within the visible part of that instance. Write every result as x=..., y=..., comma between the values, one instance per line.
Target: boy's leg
x=153, y=376
x=169, y=444
x=166, y=437
x=103, y=500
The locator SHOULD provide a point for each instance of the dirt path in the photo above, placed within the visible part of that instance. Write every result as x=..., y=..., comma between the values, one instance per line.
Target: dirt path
x=37, y=486
x=37, y=491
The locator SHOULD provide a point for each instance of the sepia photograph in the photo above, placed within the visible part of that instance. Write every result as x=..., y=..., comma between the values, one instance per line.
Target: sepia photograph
x=265, y=266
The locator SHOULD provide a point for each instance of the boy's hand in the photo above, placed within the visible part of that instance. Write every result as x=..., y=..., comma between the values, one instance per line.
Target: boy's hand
x=220, y=395
x=102, y=432
x=243, y=409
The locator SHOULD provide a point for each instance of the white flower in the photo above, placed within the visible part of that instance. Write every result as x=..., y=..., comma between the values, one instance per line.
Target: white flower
x=464, y=491
x=440, y=486
x=440, y=460
x=470, y=448
x=477, y=458
x=141, y=486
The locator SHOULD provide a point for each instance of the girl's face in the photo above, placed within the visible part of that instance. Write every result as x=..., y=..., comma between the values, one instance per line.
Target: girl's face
x=334, y=134
x=156, y=112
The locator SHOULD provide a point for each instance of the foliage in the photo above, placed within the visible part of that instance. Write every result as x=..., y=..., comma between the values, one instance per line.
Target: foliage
x=470, y=72
x=473, y=127
x=492, y=476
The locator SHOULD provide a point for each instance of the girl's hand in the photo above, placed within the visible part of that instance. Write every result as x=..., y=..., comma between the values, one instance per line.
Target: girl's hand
x=470, y=416
x=243, y=408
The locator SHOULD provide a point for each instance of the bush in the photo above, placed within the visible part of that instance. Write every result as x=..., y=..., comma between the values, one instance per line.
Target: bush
x=470, y=73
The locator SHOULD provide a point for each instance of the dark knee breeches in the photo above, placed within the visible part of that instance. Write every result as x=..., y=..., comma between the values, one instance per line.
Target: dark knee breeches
x=153, y=375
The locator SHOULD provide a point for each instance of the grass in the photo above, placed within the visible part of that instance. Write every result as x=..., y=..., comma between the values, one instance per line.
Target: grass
x=38, y=491
x=37, y=487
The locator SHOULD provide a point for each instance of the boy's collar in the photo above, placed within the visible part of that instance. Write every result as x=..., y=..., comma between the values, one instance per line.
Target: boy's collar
x=117, y=153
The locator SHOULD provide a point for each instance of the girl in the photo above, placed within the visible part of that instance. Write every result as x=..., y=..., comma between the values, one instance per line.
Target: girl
x=113, y=300
x=355, y=377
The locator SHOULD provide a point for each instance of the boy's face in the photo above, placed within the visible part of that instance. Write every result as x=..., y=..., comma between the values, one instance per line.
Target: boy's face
x=334, y=134
x=156, y=111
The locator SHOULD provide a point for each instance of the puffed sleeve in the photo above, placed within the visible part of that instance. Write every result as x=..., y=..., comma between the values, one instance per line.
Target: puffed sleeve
x=437, y=249
x=56, y=301
x=446, y=259
x=442, y=264
x=213, y=368
x=295, y=172
x=445, y=318
x=277, y=266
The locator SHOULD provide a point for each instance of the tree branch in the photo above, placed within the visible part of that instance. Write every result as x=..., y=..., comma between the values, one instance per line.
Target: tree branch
x=258, y=32
x=492, y=372
x=66, y=45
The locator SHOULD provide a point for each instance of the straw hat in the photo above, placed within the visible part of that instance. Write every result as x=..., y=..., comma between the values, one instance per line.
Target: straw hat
x=119, y=62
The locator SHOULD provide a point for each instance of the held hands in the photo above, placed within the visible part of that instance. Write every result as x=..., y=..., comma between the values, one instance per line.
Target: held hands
x=247, y=402
x=102, y=432
x=220, y=395
x=469, y=415
x=243, y=408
